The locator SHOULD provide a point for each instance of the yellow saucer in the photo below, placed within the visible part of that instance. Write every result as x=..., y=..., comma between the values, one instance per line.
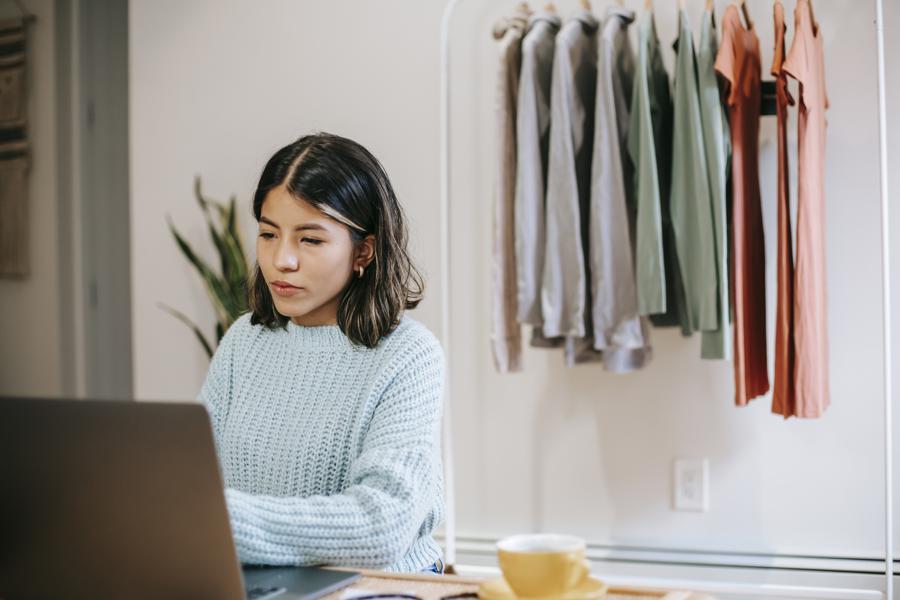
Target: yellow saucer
x=498, y=589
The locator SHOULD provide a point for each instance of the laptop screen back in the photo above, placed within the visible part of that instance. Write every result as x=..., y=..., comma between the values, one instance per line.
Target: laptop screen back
x=104, y=499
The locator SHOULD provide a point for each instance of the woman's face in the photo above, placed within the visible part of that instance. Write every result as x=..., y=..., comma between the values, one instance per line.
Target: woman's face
x=306, y=258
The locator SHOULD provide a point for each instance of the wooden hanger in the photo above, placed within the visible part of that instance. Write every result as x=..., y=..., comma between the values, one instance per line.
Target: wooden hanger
x=681, y=4
x=709, y=5
x=648, y=5
x=550, y=7
x=586, y=5
x=746, y=14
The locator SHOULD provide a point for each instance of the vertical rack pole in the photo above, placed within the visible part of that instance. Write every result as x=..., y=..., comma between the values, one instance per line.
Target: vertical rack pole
x=886, y=311
x=447, y=430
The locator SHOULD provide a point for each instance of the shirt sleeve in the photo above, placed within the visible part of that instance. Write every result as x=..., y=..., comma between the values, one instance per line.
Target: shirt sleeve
x=796, y=63
x=612, y=264
x=529, y=202
x=725, y=58
x=394, y=482
x=563, y=285
x=650, y=279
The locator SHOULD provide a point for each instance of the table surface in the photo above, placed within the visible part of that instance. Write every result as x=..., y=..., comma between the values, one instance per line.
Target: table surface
x=434, y=587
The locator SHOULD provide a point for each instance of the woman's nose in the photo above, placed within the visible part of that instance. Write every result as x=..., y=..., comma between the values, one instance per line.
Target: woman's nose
x=286, y=259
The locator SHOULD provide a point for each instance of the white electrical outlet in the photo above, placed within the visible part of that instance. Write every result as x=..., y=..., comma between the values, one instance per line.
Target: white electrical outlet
x=691, y=484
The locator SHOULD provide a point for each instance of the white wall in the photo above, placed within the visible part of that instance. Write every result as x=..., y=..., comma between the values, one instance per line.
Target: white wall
x=215, y=88
x=30, y=360
x=593, y=453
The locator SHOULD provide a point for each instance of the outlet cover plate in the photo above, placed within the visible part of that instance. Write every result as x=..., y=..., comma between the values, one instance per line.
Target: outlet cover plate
x=691, y=484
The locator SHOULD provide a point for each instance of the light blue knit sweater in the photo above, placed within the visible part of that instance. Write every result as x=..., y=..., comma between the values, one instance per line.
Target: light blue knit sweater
x=330, y=451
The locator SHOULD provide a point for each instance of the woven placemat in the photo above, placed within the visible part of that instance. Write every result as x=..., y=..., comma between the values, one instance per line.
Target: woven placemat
x=435, y=587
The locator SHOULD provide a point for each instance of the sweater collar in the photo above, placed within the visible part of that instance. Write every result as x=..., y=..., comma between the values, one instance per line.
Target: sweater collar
x=321, y=336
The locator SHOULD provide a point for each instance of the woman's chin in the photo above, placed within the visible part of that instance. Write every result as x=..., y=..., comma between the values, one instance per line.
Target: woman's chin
x=290, y=310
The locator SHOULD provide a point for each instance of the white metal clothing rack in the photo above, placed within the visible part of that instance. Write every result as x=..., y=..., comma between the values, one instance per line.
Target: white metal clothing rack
x=757, y=590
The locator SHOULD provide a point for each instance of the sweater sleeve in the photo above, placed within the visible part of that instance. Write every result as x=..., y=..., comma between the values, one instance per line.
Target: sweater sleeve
x=216, y=392
x=393, y=483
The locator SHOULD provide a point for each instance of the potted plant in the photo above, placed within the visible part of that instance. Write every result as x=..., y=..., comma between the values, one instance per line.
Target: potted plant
x=227, y=288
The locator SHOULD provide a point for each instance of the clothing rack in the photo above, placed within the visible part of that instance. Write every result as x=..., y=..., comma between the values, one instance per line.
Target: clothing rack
x=755, y=590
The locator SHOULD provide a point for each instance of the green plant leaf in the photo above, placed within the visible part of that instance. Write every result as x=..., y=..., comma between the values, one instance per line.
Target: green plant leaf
x=183, y=318
x=234, y=256
x=217, y=238
x=223, y=300
x=234, y=234
x=229, y=246
x=228, y=291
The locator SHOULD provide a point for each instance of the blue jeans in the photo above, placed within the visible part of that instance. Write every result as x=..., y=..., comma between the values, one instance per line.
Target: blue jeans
x=437, y=567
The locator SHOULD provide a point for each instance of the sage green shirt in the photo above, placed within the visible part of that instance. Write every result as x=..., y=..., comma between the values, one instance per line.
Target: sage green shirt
x=717, y=145
x=690, y=203
x=659, y=289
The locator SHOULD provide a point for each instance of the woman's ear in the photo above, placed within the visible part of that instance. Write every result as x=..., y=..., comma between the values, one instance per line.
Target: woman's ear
x=365, y=252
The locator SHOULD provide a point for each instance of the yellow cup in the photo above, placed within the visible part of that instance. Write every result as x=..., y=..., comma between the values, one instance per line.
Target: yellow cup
x=538, y=565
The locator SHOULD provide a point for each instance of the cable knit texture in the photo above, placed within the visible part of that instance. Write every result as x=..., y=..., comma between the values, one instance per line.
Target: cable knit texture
x=329, y=450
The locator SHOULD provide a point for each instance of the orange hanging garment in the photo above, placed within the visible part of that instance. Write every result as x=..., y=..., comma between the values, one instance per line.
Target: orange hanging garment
x=783, y=399
x=806, y=63
x=738, y=62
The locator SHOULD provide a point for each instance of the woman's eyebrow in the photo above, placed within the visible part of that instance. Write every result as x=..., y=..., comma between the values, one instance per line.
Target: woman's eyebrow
x=304, y=227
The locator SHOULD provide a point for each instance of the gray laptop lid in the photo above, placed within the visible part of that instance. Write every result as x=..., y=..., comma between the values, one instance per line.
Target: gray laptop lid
x=112, y=500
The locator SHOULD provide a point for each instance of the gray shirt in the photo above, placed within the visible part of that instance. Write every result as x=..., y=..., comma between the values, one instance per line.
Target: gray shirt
x=617, y=326
x=564, y=290
x=533, y=139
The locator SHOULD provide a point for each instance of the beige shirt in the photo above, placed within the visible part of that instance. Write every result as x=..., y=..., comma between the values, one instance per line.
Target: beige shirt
x=506, y=334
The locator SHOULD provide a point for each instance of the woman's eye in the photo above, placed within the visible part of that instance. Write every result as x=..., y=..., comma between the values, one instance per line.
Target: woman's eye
x=266, y=235
x=312, y=241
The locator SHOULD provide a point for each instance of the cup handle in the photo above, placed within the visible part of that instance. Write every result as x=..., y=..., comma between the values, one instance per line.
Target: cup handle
x=581, y=574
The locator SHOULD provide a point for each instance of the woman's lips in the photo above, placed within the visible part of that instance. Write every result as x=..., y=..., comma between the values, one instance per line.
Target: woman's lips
x=282, y=288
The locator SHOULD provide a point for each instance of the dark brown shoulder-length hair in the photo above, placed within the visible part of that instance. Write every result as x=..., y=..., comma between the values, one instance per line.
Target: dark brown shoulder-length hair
x=344, y=180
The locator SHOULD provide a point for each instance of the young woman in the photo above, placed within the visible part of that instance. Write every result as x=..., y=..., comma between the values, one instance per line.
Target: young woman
x=325, y=399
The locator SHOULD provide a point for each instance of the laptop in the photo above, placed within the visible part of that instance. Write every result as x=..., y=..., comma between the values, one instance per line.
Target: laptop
x=107, y=499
